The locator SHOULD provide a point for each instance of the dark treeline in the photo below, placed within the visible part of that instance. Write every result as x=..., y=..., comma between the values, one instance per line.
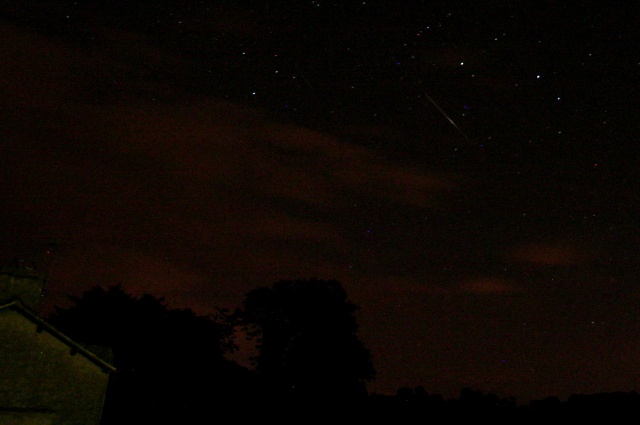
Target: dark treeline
x=418, y=406
x=173, y=365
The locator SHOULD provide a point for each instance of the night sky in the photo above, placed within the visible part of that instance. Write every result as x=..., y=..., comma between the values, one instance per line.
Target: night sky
x=468, y=170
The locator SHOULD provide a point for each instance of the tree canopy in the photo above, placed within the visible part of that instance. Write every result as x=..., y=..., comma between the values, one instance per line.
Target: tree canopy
x=170, y=362
x=305, y=332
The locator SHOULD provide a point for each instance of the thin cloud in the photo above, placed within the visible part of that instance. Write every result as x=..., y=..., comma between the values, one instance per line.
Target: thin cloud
x=488, y=285
x=209, y=185
x=551, y=254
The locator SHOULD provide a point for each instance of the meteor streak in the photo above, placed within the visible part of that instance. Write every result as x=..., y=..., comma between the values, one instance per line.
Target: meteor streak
x=446, y=116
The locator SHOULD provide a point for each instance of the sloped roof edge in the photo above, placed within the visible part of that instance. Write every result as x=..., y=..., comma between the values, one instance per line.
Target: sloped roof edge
x=26, y=312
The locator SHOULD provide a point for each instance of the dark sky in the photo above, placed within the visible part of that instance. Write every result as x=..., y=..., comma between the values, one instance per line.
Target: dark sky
x=468, y=170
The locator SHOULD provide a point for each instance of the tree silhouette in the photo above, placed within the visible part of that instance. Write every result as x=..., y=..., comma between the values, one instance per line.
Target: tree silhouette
x=306, y=338
x=171, y=362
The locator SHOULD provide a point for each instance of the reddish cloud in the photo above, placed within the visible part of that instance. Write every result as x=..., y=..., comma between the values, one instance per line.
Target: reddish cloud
x=401, y=285
x=194, y=195
x=552, y=254
x=488, y=285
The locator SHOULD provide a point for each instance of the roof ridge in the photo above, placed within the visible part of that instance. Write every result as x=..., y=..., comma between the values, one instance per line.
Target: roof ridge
x=29, y=314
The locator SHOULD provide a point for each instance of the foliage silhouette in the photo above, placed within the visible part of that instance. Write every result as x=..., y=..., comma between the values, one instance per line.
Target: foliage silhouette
x=305, y=332
x=171, y=362
x=172, y=366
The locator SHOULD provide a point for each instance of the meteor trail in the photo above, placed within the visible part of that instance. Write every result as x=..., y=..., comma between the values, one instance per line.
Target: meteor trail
x=446, y=116
x=419, y=83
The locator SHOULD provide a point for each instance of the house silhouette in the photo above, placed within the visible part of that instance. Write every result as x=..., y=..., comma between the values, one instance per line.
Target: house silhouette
x=45, y=377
